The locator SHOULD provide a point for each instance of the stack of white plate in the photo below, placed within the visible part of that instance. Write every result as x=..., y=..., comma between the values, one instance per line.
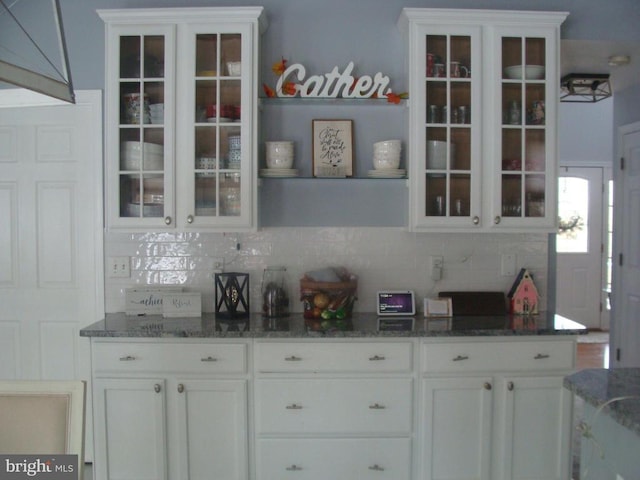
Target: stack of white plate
x=279, y=172
x=386, y=154
x=388, y=173
x=131, y=152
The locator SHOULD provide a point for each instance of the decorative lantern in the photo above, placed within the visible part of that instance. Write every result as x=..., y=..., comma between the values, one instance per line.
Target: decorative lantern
x=232, y=295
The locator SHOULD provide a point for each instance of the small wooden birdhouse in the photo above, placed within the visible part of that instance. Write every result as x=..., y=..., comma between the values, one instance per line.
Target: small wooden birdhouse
x=523, y=296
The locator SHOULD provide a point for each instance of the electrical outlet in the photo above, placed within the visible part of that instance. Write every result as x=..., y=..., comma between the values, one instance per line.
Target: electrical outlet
x=508, y=264
x=437, y=263
x=119, y=267
x=218, y=264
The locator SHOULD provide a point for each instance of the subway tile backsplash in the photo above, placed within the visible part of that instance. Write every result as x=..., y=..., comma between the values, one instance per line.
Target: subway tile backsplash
x=383, y=258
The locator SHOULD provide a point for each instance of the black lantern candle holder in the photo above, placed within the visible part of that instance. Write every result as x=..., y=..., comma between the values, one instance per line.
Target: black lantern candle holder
x=232, y=295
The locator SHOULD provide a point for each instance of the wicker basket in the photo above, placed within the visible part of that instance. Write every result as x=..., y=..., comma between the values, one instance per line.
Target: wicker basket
x=328, y=300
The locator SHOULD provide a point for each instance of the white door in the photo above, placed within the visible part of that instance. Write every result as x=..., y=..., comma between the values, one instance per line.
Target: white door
x=51, y=237
x=626, y=288
x=579, y=245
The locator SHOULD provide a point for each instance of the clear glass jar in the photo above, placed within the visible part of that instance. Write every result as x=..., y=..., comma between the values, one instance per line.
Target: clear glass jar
x=275, y=296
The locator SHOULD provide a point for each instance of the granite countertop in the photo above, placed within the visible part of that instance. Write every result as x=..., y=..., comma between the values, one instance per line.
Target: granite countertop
x=614, y=391
x=360, y=325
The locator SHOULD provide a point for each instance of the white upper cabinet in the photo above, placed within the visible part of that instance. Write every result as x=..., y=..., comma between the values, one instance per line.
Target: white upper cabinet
x=483, y=102
x=181, y=121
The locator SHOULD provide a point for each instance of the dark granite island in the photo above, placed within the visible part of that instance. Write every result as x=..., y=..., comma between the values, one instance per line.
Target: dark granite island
x=610, y=426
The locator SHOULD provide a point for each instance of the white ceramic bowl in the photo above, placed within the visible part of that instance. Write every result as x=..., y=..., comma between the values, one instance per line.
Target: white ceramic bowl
x=234, y=69
x=389, y=161
x=437, y=154
x=531, y=72
x=279, y=154
x=387, y=146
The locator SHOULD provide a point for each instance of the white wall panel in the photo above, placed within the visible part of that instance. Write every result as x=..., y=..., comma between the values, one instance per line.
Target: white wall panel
x=8, y=144
x=56, y=234
x=9, y=350
x=8, y=235
x=54, y=144
x=58, y=350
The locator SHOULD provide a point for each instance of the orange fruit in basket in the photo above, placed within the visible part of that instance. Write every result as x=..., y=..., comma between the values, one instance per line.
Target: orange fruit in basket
x=321, y=300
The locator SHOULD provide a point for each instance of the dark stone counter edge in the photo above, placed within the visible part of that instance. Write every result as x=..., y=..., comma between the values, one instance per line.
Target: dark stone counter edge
x=616, y=392
x=119, y=325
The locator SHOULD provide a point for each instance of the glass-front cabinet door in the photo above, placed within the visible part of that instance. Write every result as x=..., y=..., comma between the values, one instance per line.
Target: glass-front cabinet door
x=527, y=165
x=141, y=143
x=450, y=167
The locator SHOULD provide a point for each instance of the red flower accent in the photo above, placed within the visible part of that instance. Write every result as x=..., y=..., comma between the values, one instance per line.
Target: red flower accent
x=396, y=97
x=279, y=67
x=289, y=88
x=268, y=90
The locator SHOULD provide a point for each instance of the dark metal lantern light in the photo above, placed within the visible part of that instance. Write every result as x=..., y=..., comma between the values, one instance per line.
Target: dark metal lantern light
x=232, y=295
x=585, y=87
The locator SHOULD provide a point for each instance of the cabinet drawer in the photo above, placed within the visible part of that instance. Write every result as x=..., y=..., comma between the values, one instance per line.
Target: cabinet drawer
x=334, y=406
x=170, y=357
x=375, y=357
x=345, y=458
x=498, y=356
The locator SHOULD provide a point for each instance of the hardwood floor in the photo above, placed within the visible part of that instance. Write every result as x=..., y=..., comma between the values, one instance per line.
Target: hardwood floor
x=592, y=355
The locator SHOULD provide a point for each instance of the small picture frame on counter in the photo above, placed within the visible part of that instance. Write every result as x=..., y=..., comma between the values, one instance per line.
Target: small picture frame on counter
x=438, y=307
x=332, y=148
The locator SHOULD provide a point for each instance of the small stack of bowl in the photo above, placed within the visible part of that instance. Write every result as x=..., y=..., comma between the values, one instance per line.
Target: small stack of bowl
x=279, y=159
x=156, y=113
x=144, y=157
x=235, y=152
x=386, y=160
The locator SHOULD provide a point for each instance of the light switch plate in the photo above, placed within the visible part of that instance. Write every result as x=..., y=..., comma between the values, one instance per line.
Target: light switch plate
x=508, y=264
x=119, y=267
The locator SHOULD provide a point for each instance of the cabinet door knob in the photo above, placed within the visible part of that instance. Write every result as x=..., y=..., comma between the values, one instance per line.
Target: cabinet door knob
x=377, y=358
x=510, y=386
x=476, y=220
x=127, y=358
x=209, y=359
x=541, y=356
x=487, y=386
x=189, y=218
x=497, y=219
x=157, y=388
x=377, y=468
x=168, y=220
x=292, y=358
x=377, y=406
x=180, y=388
x=294, y=406
x=294, y=468
x=459, y=358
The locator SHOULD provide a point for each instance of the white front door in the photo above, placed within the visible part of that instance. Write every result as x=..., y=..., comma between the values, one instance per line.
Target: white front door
x=625, y=343
x=580, y=245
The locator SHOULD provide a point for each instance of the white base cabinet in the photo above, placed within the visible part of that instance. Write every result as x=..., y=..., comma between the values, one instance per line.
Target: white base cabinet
x=172, y=419
x=472, y=408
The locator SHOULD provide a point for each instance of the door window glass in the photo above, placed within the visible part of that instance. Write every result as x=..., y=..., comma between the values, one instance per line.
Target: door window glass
x=573, y=213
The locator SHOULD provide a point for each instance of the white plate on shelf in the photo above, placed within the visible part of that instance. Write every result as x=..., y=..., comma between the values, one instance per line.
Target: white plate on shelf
x=278, y=172
x=391, y=173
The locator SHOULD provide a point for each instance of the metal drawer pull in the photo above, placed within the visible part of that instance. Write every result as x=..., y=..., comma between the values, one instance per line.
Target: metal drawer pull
x=180, y=388
x=128, y=358
x=294, y=468
x=294, y=406
x=377, y=358
x=461, y=357
x=377, y=468
x=510, y=386
x=540, y=356
x=292, y=358
x=487, y=386
x=209, y=359
x=377, y=406
x=157, y=388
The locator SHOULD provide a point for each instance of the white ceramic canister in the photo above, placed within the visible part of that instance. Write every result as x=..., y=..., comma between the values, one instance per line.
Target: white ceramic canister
x=279, y=154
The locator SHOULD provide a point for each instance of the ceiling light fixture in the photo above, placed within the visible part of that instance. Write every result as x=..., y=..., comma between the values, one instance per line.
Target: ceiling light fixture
x=585, y=87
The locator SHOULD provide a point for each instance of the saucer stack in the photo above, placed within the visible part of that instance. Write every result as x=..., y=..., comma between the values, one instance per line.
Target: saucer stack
x=386, y=160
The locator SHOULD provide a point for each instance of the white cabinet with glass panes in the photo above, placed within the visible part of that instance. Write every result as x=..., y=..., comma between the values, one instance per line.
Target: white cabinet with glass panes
x=181, y=117
x=482, y=123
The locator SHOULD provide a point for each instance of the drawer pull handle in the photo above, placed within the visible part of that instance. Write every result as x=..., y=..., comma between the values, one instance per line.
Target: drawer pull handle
x=459, y=358
x=541, y=356
x=377, y=406
x=377, y=468
x=294, y=468
x=180, y=388
x=377, y=358
x=510, y=386
x=292, y=358
x=157, y=388
x=294, y=406
x=128, y=358
x=487, y=386
x=209, y=359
